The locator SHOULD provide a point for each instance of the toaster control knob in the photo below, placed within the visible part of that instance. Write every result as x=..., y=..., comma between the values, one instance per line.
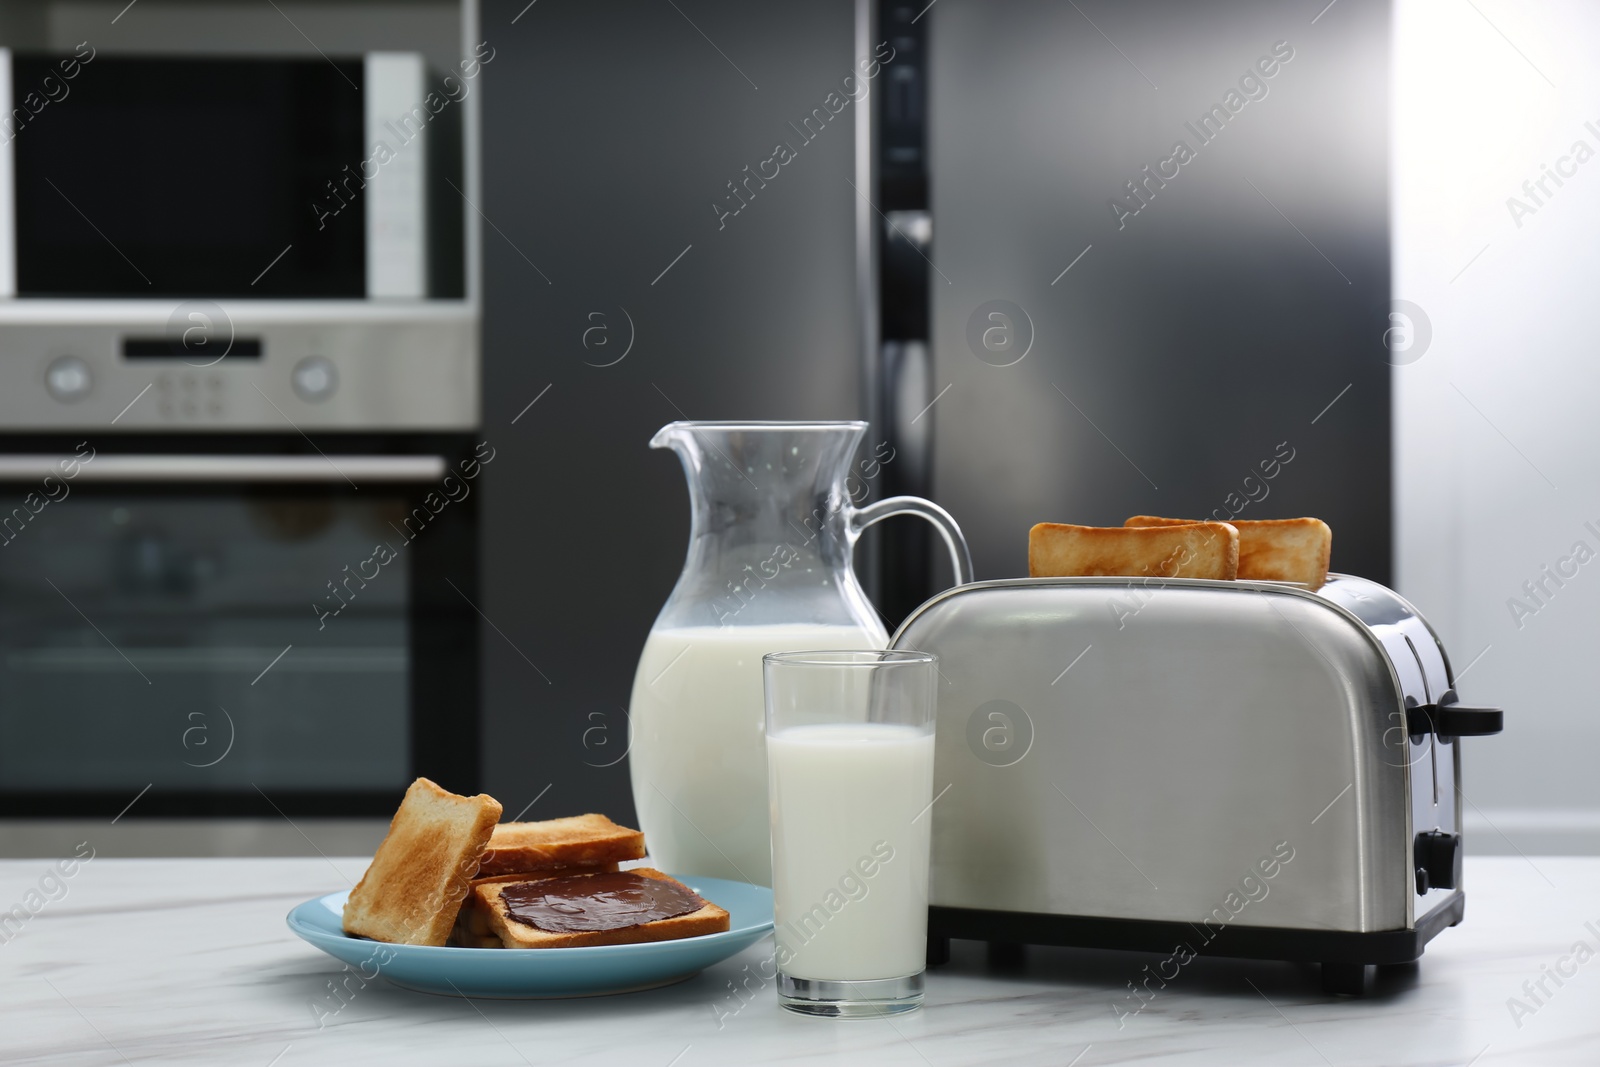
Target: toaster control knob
x=1438, y=858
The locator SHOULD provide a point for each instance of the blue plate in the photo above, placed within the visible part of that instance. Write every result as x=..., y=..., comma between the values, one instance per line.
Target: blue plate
x=542, y=972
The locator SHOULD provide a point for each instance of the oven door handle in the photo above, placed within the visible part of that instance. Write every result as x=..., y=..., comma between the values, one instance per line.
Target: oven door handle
x=27, y=467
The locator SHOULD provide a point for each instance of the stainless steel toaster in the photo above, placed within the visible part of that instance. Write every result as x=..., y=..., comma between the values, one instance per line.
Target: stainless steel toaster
x=1196, y=767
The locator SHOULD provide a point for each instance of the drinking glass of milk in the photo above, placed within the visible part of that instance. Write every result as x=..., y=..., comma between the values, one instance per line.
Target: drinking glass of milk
x=850, y=784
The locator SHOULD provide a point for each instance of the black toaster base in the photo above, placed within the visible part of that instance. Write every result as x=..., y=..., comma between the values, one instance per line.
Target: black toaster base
x=1345, y=955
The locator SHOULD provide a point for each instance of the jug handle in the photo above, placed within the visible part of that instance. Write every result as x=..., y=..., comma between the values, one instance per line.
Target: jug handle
x=960, y=558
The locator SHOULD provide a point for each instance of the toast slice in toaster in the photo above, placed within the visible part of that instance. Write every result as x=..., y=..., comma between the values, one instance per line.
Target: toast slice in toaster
x=1187, y=550
x=422, y=871
x=617, y=908
x=578, y=841
x=1273, y=550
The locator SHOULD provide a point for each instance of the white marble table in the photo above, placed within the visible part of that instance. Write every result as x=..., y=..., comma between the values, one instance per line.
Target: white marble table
x=189, y=961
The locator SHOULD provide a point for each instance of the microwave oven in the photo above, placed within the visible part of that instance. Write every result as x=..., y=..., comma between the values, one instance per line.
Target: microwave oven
x=295, y=229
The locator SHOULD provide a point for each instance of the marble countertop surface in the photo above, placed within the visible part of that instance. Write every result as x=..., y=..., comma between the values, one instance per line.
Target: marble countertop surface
x=189, y=961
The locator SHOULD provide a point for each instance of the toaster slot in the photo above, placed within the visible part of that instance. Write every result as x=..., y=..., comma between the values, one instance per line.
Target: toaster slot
x=1415, y=715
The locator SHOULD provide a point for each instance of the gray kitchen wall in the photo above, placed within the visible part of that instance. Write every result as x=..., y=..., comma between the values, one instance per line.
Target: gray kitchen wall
x=616, y=300
x=1495, y=431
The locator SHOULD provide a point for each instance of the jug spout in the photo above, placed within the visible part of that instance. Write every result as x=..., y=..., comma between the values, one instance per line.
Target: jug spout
x=673, y=435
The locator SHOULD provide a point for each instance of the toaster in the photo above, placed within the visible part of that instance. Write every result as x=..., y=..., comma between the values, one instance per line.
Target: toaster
x=1195, y=767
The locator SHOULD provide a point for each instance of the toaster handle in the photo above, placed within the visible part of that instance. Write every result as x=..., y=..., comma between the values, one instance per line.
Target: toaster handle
x=1455, y=720
x=1459, y=720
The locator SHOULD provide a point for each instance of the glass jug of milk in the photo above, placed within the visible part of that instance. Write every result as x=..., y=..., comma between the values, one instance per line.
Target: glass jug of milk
x=773, y=523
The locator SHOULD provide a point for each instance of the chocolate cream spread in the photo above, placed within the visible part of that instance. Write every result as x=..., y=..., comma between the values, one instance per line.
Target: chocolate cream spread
x=589, y=902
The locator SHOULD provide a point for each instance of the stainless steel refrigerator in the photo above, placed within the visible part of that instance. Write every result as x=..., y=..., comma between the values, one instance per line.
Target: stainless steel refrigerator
x=1075, y=261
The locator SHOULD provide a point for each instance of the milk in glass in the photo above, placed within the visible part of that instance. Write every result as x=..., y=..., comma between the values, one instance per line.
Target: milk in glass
x=850, y=840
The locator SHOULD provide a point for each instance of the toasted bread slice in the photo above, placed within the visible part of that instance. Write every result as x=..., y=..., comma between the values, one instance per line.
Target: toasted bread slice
x=474, y=919
x=576, y=841
x=1273, y=550
x=422, y=871
x=548, y=872
x=706, y=919
x=1190, y=550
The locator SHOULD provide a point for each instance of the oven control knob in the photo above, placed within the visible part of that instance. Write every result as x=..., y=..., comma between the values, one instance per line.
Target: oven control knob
x=68, y=379
x=1438, y=858
x=314, y=378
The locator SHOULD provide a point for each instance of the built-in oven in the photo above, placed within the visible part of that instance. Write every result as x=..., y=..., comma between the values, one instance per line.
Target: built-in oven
x=236, y=624
x=240, y=469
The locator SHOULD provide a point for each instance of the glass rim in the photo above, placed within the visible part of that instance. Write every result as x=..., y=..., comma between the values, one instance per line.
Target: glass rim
x=849, y=657
x=766, y=424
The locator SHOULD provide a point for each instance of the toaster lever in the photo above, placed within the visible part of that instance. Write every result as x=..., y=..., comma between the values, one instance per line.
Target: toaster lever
x=1454, y=720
